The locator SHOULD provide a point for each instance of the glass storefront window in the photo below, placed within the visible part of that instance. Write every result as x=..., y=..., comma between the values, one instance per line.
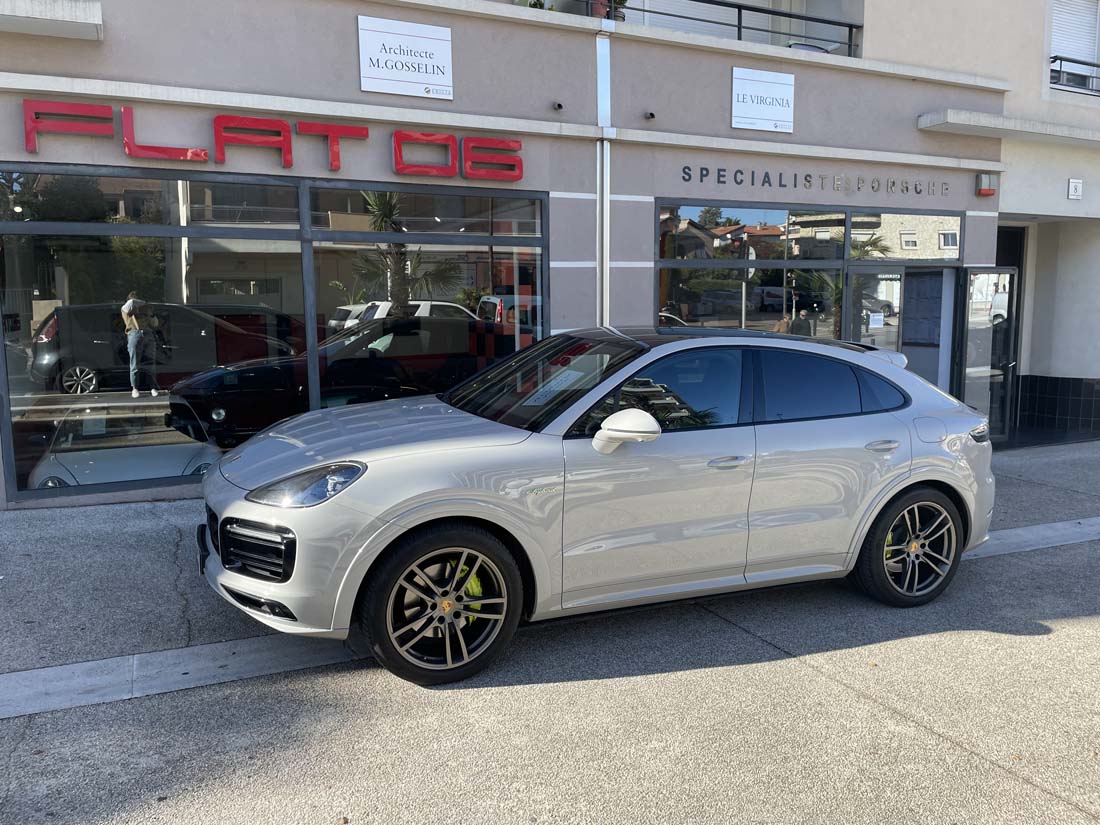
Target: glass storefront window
x=81, y=374
x=413, y=319
x=877, y=235
x=373, y=211
x=690, y=232
x=815, y=235
x=241, y=203
x=34, y=197
x=766, y=300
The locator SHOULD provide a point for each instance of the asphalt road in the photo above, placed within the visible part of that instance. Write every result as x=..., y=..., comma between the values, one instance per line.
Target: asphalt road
x=804, y=704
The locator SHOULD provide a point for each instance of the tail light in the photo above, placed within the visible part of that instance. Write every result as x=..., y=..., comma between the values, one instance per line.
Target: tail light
x=500, y=312
x=48, y=332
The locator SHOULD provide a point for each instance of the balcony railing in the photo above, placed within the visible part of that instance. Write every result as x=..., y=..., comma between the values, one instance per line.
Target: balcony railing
x=1075, y=75
x=742, y=21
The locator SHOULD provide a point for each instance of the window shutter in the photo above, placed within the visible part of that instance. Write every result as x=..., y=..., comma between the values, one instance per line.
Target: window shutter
x=1073, y=31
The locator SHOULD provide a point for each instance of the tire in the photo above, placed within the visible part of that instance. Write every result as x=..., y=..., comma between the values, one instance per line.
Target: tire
x=77, y=379
x=887, y=311
x=432, y=641
x=911, y=554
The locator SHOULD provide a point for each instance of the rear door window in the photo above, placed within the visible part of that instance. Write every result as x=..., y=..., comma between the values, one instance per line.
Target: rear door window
x=799, y=385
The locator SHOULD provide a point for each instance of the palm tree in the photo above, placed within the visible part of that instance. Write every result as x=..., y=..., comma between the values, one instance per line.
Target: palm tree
x=393, y=270
x=873, y=247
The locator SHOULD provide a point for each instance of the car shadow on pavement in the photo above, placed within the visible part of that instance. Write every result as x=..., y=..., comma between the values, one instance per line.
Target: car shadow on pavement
x=1016, y=595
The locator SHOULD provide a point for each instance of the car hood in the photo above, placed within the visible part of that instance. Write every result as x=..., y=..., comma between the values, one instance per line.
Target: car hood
x=363, y=432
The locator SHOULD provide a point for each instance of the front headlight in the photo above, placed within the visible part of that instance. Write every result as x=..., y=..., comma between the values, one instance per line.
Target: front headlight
x=308, y=488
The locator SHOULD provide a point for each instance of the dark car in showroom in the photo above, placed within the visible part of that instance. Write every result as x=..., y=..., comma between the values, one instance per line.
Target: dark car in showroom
x=376, y=360
x=82, y=348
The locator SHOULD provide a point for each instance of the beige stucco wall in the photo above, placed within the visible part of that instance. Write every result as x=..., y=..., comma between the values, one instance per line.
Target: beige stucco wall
x=1063, y=339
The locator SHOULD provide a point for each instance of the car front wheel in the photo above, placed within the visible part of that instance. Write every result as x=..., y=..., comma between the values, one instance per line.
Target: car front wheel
x=913, y=549
x=443, y=605
x=78, y=379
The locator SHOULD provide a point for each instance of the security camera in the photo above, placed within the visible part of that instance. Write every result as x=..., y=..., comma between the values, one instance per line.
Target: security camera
x=650, y=115
x=558, y=106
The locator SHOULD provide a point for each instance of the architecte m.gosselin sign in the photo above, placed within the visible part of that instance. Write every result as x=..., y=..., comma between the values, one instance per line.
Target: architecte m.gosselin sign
x=399, y=58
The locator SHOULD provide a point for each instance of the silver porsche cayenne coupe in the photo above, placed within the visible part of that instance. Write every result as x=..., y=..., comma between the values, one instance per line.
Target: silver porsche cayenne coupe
x=597, y=469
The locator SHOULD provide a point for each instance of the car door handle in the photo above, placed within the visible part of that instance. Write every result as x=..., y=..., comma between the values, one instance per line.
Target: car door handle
x=727, y=462
x=884, y=446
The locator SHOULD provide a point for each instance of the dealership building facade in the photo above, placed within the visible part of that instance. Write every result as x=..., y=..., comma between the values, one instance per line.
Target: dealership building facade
x=251, y=175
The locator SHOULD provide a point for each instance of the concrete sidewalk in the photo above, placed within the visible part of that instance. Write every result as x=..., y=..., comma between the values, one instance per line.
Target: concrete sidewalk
x=88, y=583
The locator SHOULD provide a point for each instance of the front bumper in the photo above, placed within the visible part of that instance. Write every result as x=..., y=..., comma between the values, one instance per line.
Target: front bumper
x=328, y=538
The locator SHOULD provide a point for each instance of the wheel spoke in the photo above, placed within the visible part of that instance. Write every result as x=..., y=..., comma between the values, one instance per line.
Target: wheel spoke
x=403, y=630
x=458, y=571
x=461, y=643
x=937, y=557
x=941, y=531
x=415, y=589
x=461, y=588
x=420, y=634
x=427, y=580
x=447, y=644
x=909, y=522
x=934, y=525
x=909, y=567
x=940, y=573
x=477, y=614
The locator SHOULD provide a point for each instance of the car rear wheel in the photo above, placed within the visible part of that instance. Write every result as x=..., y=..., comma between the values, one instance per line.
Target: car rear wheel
x=78, y=380
x=913, y=549
x=443, y=605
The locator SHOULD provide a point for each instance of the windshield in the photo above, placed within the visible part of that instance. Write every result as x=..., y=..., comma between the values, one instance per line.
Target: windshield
x=537, y=384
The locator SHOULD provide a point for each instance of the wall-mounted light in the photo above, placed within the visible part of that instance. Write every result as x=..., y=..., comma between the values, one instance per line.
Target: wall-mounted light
x=17, y=209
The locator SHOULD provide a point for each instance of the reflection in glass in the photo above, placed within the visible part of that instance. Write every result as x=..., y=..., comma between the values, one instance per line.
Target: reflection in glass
x=875, y=306
x=373, y=211
x=917, y=237
x=989, y=345
x=692, y=232
x=74, y=356
x=767, y=300
x=28, y=196
x=815, y=235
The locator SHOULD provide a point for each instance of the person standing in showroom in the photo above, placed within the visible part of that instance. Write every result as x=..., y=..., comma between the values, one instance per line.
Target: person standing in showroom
x=137, y=321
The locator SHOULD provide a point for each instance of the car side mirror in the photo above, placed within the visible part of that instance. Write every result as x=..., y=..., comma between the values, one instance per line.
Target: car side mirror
x=634, y=426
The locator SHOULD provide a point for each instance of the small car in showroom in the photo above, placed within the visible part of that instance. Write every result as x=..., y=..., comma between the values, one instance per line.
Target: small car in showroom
x=593, y=470
x=376, y=360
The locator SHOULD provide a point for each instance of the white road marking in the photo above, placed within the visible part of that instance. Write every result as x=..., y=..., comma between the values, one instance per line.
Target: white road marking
x=146, y=674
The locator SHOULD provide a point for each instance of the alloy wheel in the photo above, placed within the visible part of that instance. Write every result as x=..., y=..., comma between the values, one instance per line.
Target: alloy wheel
x=920, y=548
x=79, y=380
x=446, y=608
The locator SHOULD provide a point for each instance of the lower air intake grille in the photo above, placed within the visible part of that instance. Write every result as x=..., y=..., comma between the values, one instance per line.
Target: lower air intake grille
x=257, y=550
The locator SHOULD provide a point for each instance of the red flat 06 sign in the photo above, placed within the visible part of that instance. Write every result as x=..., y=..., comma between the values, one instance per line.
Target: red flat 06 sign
x=471, y=157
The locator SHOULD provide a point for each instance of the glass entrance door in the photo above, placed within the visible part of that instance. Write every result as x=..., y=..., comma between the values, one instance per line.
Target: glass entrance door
x=874, y=305
x=989, y=346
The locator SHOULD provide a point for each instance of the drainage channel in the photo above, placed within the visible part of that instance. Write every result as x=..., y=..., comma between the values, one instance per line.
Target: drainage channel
x=164, y=671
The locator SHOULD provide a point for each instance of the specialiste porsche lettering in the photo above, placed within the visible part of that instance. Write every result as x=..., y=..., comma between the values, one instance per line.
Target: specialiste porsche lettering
x=772, y=179
x=472, y=157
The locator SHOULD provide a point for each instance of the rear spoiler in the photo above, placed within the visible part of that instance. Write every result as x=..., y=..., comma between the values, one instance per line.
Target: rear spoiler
x=888, y=355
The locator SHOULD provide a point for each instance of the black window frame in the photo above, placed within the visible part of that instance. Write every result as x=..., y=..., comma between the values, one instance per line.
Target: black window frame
x=745, y=408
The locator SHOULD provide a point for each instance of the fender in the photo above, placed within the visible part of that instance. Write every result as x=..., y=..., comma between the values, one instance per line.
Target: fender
x=914, y=477
x=546, y=574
